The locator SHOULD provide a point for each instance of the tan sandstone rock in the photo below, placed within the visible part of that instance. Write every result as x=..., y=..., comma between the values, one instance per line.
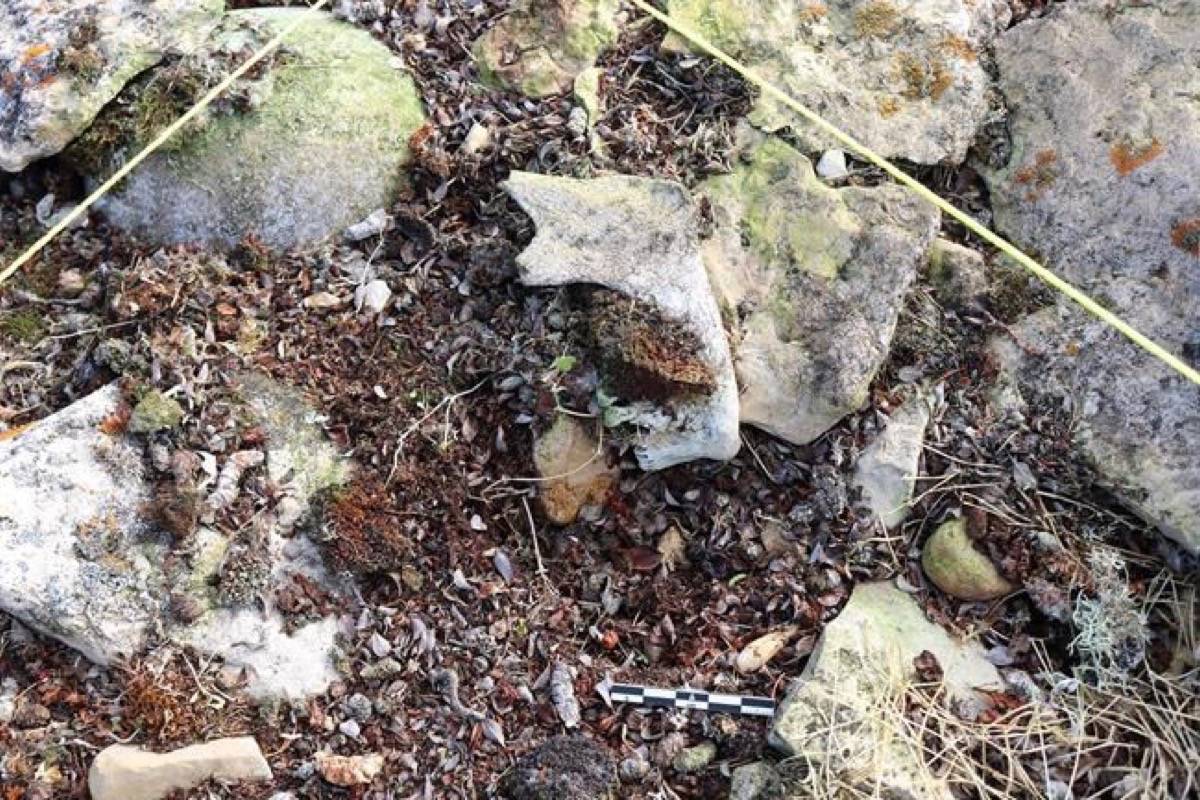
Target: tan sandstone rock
x=130, y=773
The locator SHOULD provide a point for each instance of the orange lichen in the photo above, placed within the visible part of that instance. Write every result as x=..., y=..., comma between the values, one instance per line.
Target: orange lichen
x=1186, y=236
x=13, y=433
x=1127, y=157
x=1040, y=174
x=877, y=19
x=811, y=12
x=959, y=47
x=35, y=51
x=888, y=107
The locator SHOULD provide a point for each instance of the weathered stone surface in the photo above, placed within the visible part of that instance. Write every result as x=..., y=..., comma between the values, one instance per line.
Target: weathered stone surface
x=120, y=772
x=80, y=560
x=349, y=770
x=1102, y=183
x=757, y=781
x=573, y=468
x=958, y=274
x=541, y=46
x=888, y=467
x=70, y=518
x=155, y=412
x=815, y=278
x=667, y=355
x=564, y=768
x=960, y=570
x=832, y=718
x=322, y=143
x=62, y=60
x=905, y=79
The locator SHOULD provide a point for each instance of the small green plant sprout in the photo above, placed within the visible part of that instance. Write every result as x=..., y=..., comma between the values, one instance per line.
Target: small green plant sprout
x=1111, y=630
x=564, y=364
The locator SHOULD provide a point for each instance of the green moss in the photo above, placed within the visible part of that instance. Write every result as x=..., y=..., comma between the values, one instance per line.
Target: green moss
x=25, y=326
x=155, y=412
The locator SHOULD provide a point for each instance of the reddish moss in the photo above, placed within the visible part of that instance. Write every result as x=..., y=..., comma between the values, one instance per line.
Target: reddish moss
x=1127, y=157
x=368, y=539
x=1186, y=236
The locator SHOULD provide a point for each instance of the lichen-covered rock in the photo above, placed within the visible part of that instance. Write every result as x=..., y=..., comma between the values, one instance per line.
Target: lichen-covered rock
x=61, y=61
x=887, y=469
x=311, y=147
x=831, y=721
x=541, y=46
x=958, y=568
x=82, y=561
x=1102, y=183
x=661, y=343
x=70, y=523
x=904, y=78
x=815, y=278
x=120, y=772
x=563, y=768
x=958, y=274
x=573, y=469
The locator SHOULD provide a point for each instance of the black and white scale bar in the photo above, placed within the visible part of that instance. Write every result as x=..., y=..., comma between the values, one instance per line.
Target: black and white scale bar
x=692, y=699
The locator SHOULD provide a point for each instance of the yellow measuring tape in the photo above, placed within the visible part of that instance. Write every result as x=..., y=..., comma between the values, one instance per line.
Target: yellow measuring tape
x=149, y=149
x=848, y=141
x=977, y=228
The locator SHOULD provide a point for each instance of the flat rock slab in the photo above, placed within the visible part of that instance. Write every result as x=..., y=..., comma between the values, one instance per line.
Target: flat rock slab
x=71, y=563
x=903, y=78
x=816, y=278
x=888, y=468
x=542, y=45
x=831, y=719
x=1102, y=183
x=81, y=562
x=639, y=238
x=322, y=144
x=120, y=772
x=61, y=61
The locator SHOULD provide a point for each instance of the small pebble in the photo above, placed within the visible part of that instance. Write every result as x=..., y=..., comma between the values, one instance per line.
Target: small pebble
x=350, y=728
x=380, y=646
x=832, y=165
x=372, y=297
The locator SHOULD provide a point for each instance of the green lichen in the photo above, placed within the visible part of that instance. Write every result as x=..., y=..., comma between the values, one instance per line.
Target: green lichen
x=788, y=215
x=721, y=22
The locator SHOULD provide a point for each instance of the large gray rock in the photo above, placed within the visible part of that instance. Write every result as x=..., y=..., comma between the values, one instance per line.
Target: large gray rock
x=321, y=142
x=61, y=61
x=835, y=719
x=1102, y=183
x=80, y=561
x=639, y=237
x=815, y=278
x=904, y=78
x=542, y=45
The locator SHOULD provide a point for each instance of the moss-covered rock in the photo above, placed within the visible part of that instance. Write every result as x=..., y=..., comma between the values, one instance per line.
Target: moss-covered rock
x=61, y=61
x=542, y=45
x=814, y=278
x=313, y=143
x=956, y=567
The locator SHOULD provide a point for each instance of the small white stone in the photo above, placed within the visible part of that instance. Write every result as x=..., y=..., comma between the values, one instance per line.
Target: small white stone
x=379, y=645
x=478, y=139
x=372, y=297
x=373, y=224
x=350, y=728
x=832, y=165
